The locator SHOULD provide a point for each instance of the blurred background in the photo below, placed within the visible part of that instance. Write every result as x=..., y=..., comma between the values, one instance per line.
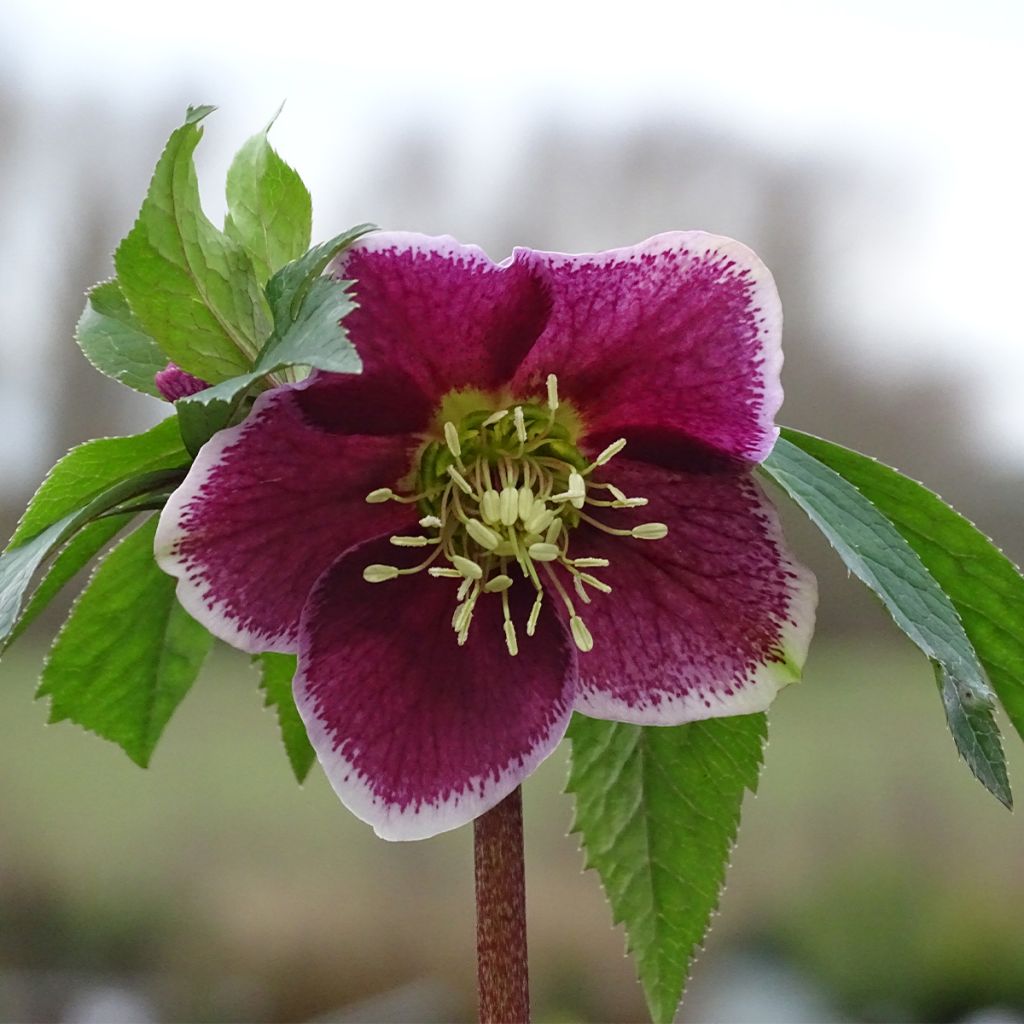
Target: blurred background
x=870, y=153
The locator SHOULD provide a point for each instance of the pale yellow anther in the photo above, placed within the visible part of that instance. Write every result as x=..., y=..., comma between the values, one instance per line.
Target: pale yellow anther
x=379, y=496
x=525, y=502
x=495, y=417
x=451, y=438
x=412, y=542
x=616, y=493
x=544, y=552
x=649, y=531
x=379, y=573
x=610, y=452
x=430, y=522
x=490, y=507
x=591, y=563
x=460, y=620
x=552, y=392
x=517, y=415
x=483, y=535
x=580, y=633
x=443, y=573
x=629, y=503
x=553, y=532
x=594, y=582
x=531, y=622
x=509, y=506
x=510, y=638
x=577, y=490
x=581, y=590
x=541, y=519
x=496, y=584
x=467, y=567
x=460, y=481
x=506, y=549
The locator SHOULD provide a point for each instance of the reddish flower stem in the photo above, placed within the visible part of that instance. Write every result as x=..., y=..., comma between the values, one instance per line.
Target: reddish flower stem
x=502, y=974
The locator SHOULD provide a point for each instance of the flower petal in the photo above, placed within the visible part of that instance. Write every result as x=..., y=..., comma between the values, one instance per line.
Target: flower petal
x=710, y=621
x=270, y=504
x=680, y=332
x=416, y=734
x=439, y=312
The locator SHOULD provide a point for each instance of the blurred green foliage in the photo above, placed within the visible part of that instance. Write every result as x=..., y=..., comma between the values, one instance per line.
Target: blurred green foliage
x=869, y=861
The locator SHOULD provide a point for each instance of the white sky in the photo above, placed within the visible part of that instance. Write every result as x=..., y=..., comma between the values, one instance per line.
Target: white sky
x=933, y=87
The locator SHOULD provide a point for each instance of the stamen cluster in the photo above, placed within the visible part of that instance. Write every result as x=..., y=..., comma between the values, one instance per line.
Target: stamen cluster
x=503, y=491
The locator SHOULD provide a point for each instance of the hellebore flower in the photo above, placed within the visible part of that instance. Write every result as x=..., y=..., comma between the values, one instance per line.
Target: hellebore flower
x=456, y=544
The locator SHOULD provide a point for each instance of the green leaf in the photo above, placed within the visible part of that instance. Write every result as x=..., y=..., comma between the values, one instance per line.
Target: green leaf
x=286, y=290
x=191, y=287
x=974, y=731
x=308, y=310
x=91, y=468
x=877, y=554
x=986, y=588
x=74, y=557
x=277, y=671
x=657, y=809
x=19, y=564
x=270, y=212
x=128, y=653
x=113, y=340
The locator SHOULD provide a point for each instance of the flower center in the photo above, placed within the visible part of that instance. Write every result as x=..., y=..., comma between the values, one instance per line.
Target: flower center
x=502, y=494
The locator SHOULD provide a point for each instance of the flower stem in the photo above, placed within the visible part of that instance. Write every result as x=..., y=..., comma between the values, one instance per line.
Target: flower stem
x=502, y=974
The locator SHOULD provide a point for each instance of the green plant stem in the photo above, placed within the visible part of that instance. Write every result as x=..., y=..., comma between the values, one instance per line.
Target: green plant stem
x=502, y=972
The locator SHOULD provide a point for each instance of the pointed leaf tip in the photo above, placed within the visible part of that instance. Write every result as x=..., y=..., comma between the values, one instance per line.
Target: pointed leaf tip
x=657, y=809
x=854, y=515
x=193, y=115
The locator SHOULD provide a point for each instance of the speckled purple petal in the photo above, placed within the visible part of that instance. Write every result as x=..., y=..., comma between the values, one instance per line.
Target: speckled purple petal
x=272, y=503
x=439, y=313
x=710, y=621
x=416, y=734
x=681, y=332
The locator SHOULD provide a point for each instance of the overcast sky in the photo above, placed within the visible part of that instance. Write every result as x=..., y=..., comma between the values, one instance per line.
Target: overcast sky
x=933, y=89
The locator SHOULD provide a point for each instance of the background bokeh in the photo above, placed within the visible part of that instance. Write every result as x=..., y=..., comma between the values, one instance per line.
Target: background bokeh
x=870, y=153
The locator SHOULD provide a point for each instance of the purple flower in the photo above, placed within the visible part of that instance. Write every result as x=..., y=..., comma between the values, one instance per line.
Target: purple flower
x=537, y=498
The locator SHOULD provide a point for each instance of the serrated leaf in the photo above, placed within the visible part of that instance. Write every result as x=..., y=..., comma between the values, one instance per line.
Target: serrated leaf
x=19, y=564
x=128, y=653
x=986, y=588
x=191, y=287
x=112, y=339
x=276, y=672
x=270, y=212
x=308, y=331
x=286, y=290
x=974, y=731
x=657, y=809
x=91, y=468
x=73, y=557
x=878, y=555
